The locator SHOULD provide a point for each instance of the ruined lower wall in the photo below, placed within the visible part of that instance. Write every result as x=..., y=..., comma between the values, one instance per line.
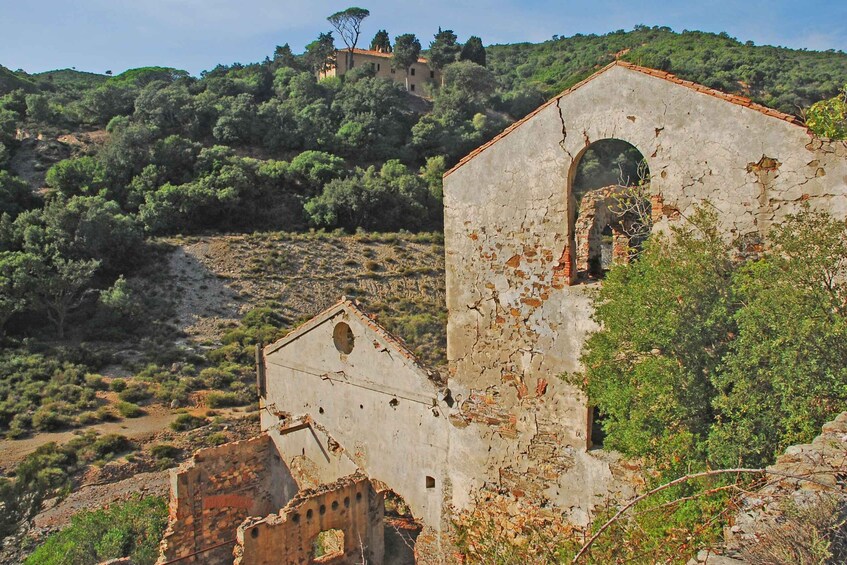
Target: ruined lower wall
x=350, y=505
x=215, y=491
x=805, y=481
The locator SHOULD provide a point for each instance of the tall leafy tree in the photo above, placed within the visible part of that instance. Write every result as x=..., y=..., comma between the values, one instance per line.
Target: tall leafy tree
x=786, y=371
x=320, y=54
x=284, y=57
x=381, y=42
x=473, y=51
x=666, y=322
x=348, y=24
x=407, y=49
x=14, y=290
x=443, y=50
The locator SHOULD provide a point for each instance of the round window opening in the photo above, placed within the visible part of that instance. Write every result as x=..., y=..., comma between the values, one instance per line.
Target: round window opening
x=342, y=335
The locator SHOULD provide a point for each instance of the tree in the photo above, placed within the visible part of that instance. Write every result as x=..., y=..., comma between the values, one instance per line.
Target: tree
x=471, y=83
x=283, y=57
x=473, y=51
x=14, y=292
x=383, y=199
x=407, y=49
x=38, y=108
x=60, y=286
x=828, y=118
x=381, y=42
x=665, y=324
x=443, y=50
x=15, y=195
x=785, y=374
x=348, y=24
x=320, y=54
x=78, y=175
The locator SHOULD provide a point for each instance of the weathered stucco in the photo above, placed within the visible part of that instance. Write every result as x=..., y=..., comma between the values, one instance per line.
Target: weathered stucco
x=378, y=406
x=513, y=319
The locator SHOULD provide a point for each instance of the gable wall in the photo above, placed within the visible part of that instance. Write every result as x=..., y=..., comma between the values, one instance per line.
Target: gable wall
x=513, y=320
x=382, y=410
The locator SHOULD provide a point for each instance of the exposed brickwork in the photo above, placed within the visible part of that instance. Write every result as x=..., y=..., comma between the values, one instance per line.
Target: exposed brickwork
x=350, y=505
x=212, y=494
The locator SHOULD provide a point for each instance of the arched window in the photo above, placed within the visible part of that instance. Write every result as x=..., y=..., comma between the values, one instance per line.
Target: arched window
x=610, y=204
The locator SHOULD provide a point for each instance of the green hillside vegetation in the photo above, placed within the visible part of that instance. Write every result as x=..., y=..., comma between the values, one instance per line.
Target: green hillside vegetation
x=785, y=79
x=70, y=79
x=10, y=81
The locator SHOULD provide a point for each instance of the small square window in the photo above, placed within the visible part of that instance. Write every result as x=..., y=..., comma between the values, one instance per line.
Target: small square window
x=413, y=71
x=392, y=71
x=413, y=87
x=431, y=74
x=377, y=66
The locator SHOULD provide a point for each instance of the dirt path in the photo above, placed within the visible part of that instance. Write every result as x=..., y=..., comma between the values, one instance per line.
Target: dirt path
x=158, y=418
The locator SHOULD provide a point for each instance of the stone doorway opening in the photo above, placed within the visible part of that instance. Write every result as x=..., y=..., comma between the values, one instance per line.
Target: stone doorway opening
x=401, y=531
x=610, y=203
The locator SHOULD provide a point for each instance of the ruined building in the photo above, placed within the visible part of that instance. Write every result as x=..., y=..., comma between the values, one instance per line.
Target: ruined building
x=349, y=416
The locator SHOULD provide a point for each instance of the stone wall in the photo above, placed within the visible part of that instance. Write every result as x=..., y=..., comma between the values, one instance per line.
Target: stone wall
x=350, y=505
x=817, y=483
x=514, y=318
x=215, y=491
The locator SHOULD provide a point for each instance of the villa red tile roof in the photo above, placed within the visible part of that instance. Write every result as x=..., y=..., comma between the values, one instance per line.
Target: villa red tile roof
x=380, y=54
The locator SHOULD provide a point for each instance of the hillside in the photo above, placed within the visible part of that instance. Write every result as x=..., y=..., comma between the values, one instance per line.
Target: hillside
x=785, y=79
x=10, y=81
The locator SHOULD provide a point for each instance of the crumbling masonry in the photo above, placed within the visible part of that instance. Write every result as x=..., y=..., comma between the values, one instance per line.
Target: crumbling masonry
x=342, y=400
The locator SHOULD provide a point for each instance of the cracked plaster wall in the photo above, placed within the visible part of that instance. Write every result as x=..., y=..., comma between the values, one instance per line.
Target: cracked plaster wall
x=514, y=324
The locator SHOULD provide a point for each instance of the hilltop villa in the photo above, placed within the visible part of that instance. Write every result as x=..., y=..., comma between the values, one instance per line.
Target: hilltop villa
x=419, y=73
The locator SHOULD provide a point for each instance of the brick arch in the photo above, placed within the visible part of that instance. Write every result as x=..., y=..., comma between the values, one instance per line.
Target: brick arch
x=573, y=253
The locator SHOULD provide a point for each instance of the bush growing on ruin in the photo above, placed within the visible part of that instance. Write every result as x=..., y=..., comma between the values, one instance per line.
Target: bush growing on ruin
x=665, y=324
x=702, y=359
x=828, y=118
x=785, y=372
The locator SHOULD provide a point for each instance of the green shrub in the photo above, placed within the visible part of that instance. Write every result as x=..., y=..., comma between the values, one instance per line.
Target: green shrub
x=164, y=451
x=135, y=392
x=110, y=446
x=47, y=418
x=226, y=399
x=129, y=529
x=96, y=382
x=185, y=422
x=88, y=418
x=129, y=410
x=118, y=385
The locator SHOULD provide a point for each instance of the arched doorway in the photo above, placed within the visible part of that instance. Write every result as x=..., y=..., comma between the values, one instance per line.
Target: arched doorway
x=610, y=204
x=401, y=531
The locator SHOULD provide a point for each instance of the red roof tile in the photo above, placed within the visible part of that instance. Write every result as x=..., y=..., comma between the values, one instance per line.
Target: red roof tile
x=380, y=54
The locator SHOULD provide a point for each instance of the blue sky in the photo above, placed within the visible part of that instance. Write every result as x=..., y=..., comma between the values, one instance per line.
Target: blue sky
x=96, y=35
